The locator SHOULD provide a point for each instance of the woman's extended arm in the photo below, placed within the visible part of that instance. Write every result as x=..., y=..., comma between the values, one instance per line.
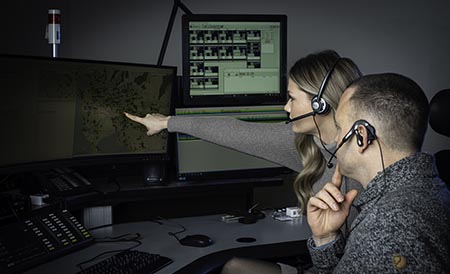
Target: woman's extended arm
x=270, y=141
x=274, y=142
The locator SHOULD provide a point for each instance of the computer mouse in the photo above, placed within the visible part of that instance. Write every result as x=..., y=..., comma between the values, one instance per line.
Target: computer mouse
x=197, y=240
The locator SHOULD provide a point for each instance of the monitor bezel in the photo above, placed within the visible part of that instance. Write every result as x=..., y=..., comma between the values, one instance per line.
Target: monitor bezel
x=233, y=100
x=234, y=174
x=242, y=173
x=100, y=160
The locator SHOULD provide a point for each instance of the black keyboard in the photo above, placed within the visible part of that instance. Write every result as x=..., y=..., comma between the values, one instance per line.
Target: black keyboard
x=130, y=262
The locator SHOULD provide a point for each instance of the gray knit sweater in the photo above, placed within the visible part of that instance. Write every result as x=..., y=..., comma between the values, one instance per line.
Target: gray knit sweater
x=403, y=226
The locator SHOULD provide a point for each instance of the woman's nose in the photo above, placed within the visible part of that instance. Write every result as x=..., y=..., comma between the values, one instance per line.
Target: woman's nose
x=287, y=106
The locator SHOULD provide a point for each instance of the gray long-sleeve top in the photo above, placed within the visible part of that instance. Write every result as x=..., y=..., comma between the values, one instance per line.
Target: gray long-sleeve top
x=274, y=142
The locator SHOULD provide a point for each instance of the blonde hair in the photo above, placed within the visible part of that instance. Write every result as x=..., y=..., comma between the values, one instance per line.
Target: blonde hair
x=308, y=73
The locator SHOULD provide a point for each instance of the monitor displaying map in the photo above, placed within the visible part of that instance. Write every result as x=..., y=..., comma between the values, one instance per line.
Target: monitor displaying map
x=53, y=109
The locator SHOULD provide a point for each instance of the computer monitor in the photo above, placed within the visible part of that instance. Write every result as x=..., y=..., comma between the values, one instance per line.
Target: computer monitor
x=67, y=112
x=199, y=159
x=231, y=60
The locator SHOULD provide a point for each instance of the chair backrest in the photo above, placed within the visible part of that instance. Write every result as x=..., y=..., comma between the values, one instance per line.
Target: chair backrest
x=440, y=122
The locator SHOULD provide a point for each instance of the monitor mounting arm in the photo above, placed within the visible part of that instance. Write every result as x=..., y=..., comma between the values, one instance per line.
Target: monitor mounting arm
x=176, y=4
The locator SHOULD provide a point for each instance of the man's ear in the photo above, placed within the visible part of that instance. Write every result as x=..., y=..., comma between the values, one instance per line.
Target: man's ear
x=362, y=138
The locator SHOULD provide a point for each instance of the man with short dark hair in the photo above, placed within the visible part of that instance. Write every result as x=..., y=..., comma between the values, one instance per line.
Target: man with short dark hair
x=404, y=209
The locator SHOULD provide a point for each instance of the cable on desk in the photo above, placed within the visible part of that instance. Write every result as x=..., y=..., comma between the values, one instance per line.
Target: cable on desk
x=159, y=220
x=173, y=234
x=120, y=238
x=156, y=220
x=100, y=226
x=8, y=200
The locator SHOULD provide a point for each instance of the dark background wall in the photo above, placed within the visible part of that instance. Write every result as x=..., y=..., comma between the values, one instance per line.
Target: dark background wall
x=407, y=37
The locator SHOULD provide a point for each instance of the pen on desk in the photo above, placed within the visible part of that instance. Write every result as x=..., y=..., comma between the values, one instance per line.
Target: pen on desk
x=253, y=207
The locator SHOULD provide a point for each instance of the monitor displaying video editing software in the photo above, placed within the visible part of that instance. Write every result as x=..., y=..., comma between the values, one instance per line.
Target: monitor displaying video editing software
x=199, y=159
x=64, y=112
x=231, y=60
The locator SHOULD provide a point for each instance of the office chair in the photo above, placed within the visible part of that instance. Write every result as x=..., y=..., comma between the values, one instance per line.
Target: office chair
x=440, y=122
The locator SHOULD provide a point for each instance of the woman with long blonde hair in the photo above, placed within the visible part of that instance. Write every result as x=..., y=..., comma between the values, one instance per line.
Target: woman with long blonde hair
x=303, y=146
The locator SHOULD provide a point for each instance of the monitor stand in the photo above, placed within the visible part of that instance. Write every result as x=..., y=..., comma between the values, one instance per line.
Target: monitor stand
x=154, y=173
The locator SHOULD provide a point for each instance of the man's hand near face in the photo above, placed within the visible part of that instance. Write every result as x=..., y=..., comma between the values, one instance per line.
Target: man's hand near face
x=328, y=209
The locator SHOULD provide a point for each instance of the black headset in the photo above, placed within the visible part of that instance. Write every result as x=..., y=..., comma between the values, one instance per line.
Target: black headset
x=371, y=136
x=318, y=104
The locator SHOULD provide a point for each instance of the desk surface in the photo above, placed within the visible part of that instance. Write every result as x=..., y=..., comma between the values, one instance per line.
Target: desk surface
x=273, y=239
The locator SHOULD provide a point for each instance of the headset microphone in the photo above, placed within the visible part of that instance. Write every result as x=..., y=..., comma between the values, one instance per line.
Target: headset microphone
x=330, y=164
x=300, y=117
x=347, y=136
x=345, y=139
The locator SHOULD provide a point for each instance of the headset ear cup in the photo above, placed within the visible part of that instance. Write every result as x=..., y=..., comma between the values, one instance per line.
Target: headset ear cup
x=315, y=105
x=319, y=106
x=326, y=106
x=359, y=139
x=371, y=136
